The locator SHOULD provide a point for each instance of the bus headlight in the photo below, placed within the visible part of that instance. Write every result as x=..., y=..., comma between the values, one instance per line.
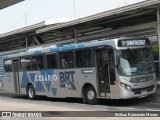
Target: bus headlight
x=126, y=86
x=123, y=85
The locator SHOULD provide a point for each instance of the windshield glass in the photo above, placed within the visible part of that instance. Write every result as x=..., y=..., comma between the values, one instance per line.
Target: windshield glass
x=135, y=62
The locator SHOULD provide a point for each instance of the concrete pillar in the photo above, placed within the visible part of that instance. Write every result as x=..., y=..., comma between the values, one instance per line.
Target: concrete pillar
x=26, y=43
x=158, y=35
x=75, y=34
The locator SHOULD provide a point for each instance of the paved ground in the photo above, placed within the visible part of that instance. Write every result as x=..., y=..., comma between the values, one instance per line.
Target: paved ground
x=72, y=104
x=21, y=103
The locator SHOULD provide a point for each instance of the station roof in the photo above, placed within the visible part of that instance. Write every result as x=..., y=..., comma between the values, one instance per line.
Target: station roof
x=100, y=25
x=144, y=7
x=7, y=3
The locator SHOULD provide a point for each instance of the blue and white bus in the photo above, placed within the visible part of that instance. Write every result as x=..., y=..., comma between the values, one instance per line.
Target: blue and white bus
x=108, y=69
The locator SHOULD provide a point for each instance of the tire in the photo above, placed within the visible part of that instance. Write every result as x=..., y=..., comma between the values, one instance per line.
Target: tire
x=31, y=92
x=90, y=95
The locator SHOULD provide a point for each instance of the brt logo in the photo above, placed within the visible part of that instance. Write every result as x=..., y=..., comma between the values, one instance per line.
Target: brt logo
x=67, y=80
x=67, y=76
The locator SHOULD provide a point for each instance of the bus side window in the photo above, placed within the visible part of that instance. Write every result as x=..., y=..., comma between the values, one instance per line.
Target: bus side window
x=25, y=64
x=8, y=65
x=51, y=61
x=37, y=62
x=66, y=60
x=87, y=58
x=83, y=58
x=79, y=58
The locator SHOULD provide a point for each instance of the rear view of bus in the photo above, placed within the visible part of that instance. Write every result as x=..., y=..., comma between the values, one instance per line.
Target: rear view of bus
x=135, y=69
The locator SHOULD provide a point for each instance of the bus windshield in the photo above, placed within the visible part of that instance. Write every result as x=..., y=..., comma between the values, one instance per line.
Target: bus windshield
x=135, y=62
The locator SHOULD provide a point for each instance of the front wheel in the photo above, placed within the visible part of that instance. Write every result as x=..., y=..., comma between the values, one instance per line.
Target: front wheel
x=90, y=95
x=31, y=92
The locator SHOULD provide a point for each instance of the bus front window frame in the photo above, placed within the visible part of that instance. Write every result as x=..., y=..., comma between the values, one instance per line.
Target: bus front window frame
x=131, y=65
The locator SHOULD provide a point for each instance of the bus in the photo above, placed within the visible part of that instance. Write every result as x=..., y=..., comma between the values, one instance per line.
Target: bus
x=120, y=68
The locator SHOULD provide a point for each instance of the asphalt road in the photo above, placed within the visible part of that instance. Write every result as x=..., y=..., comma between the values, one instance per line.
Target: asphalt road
x=142, y=104
x=21, y=103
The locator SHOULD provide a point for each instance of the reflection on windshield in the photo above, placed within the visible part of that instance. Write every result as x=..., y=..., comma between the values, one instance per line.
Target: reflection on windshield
x=135, y=62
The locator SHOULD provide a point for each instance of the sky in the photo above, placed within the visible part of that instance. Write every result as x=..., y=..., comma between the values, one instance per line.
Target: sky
x=31, y=12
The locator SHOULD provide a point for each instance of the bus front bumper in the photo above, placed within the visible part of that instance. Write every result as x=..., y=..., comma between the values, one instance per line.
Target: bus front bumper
x=137, y=93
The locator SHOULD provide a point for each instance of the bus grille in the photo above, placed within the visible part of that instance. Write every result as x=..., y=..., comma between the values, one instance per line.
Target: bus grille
x=140, y=90
x=141, y=79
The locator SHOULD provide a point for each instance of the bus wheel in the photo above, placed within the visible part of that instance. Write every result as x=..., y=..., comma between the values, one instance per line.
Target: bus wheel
x=31, y=92
x=90, y=95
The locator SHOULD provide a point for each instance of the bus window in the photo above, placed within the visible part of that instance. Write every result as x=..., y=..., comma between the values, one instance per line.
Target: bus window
x=37, y=62
x=83, y=58
x=25, y=64
x=66, y=60
x=51, y=61
x=8, y=65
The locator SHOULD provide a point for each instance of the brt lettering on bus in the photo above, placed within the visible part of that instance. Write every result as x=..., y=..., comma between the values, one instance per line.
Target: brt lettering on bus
x=67, y=80
x=67, y=76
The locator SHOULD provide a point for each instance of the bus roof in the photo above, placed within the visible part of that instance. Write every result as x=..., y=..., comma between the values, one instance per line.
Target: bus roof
x=53, y=48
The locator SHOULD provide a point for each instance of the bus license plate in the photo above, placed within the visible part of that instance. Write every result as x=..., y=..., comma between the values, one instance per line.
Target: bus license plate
x=144, y=92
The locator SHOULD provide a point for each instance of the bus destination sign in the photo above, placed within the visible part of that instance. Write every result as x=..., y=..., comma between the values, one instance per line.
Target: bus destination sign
x=126, y=43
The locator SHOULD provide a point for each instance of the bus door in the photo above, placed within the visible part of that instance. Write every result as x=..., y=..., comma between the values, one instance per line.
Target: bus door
x=16, y=75
x=102, y=60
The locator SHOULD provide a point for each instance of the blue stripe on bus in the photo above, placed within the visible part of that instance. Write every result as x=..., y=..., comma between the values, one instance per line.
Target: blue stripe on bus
x=54, y=49
x=39, y=86
x=25, y=80
x=54, y=91
x=68, y=47
x=38, y=52
x=81, y=45
x=32, y=76
x=5, y=57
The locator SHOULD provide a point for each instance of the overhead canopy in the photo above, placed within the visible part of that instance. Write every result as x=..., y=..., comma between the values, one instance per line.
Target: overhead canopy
x=139, y=19
x=6, y=3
